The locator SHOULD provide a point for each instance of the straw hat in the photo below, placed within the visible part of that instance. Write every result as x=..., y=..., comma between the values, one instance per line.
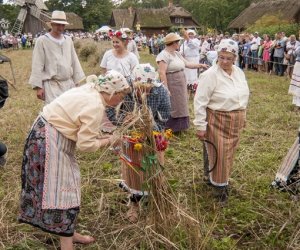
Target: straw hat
x=59, y=17
x=228, y=45
x=172, y=37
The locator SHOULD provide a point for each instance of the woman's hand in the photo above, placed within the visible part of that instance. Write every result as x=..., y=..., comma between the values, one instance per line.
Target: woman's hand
x=40, y=93
x=201, y=134
x=203, y=66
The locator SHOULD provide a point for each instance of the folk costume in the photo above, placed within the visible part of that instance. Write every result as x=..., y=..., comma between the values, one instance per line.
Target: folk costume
x=220, y=110
x=55, y=65
x=50, y=196
x=190, y=51
x=124, y=65
x=179, y=119
x=294, y=88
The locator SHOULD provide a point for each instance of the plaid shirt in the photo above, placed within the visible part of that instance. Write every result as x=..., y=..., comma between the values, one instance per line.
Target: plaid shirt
x=158, y=101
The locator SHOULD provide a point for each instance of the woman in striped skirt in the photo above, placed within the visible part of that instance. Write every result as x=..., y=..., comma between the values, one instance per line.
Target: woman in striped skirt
x=50, y=195
x=220, y=114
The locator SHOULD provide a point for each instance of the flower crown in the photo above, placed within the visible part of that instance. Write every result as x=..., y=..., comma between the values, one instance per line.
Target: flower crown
x=120, y=35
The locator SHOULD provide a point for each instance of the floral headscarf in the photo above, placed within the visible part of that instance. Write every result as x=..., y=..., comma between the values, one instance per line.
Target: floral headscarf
x=228, y=45
x=110, y=83
x=146, y=74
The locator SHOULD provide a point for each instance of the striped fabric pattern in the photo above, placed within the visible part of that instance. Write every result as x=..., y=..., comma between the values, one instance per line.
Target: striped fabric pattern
x=62, y=175
x=223, y=130
x=132, y=174
x=288, y=163
x=294, y=88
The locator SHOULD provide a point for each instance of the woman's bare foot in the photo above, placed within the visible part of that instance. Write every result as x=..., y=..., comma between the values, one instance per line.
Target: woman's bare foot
x=82, y=239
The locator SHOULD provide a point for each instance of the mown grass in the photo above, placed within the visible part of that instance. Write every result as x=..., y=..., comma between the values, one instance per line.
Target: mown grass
x=256, y=217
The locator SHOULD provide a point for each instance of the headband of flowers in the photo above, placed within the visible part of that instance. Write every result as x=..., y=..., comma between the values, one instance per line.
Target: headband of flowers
x=119, y=34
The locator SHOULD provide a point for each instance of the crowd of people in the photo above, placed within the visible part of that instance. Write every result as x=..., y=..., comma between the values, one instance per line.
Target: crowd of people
x=256, y=52
x=75, y=112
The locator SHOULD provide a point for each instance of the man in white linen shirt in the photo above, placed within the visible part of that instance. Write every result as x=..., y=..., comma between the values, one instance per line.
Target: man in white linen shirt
x=55, y=65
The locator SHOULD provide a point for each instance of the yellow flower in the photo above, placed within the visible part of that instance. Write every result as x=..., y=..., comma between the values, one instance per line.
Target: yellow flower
x=155, y=133
x=136, y=135
x=168, y=133
x=138, y=146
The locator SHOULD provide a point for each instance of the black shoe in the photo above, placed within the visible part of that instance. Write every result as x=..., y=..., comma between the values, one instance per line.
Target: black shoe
x=222, y=194
x=206, y=181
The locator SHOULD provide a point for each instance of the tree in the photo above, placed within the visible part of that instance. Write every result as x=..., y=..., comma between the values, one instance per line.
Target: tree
x=96, y=12
x=9, y=12
x=93, y=12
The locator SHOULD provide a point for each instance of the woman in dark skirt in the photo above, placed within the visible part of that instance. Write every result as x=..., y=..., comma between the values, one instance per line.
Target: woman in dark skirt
x=171, y=67
x=50, y=196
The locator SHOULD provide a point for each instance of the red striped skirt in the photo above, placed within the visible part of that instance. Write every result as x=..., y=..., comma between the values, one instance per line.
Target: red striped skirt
x=223, y=130
x=131, y=171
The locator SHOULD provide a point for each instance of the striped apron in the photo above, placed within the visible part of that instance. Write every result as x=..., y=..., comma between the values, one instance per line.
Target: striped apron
x=223, y=130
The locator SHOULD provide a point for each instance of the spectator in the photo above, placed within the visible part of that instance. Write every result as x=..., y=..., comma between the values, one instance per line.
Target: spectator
x=279, y=45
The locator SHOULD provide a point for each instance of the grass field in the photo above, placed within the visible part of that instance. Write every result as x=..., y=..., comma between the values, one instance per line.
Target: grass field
x=256, y=216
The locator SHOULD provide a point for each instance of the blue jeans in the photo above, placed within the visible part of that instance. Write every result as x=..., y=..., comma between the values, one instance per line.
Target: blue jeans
x=278, y=65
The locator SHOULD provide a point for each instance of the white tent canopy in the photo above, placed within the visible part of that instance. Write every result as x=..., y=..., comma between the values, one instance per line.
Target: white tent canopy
x=103, y=29
x=125, y=30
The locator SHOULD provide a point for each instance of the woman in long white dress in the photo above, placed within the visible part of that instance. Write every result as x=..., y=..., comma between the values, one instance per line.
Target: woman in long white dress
x=190, y=51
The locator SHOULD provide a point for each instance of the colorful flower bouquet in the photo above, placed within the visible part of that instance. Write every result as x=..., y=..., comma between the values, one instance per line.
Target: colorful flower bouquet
x=137, y=144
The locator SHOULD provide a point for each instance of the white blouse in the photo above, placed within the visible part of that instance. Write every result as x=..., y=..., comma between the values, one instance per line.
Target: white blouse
x=219, y=91
x=123, y=65
x=175, y=61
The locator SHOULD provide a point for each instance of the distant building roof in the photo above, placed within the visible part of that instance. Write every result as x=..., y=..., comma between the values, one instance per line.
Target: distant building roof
x=154, y=18
x=122, y=18
x=148, y=18
x=75, y=21
x=289, y=10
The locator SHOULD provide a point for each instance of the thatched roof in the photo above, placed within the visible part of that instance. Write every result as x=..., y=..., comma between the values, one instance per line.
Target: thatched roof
x=75, y=21
x=153, y=18
x=122, y=18
x=177, y=11
x=148, y=18
x=288, y=9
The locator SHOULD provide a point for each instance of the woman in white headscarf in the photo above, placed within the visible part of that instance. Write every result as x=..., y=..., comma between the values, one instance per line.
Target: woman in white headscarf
x=50, y=197
x=220, y=114
x=190, y=51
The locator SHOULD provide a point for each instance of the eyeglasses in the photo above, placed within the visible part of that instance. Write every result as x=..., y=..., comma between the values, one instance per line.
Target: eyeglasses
x=229, y=59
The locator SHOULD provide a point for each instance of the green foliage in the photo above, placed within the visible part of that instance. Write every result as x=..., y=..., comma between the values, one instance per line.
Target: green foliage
x=215, y=14
x=143, y=4
x=94, y=12
x=9, y=12
x=271, y=24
